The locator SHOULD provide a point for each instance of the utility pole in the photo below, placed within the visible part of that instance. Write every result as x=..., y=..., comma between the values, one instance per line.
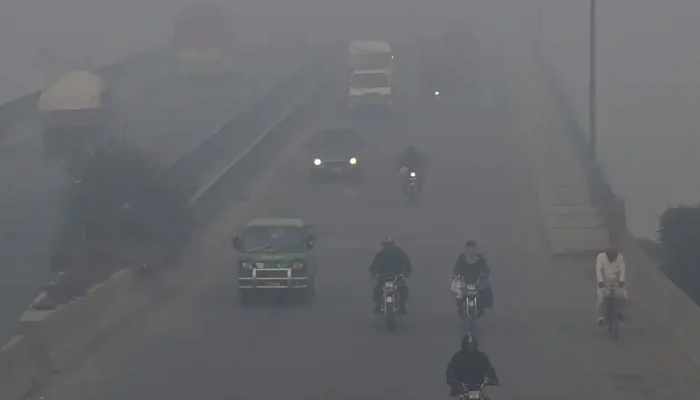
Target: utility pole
x=592, y=85
x=538, y=39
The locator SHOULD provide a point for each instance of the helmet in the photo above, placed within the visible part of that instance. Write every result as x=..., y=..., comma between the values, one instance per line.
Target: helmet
x=387, y=240
x=469, y=339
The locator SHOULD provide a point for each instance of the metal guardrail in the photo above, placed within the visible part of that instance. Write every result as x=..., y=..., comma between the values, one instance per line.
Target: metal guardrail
x=602, y=195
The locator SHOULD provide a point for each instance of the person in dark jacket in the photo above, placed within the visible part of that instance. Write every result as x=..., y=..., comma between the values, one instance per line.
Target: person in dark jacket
x=389, y=262
x=470, y=366
x=471, y=266
x=412, y=160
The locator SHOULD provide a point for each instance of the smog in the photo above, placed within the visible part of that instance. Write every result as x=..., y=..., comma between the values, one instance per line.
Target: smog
x=206, y=219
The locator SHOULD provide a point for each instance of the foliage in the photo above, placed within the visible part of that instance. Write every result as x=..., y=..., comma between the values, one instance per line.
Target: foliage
x=122, y=202
x=679, y=234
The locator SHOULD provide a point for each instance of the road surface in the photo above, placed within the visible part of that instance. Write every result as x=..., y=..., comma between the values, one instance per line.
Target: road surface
x=541, y=336
x=165, y=115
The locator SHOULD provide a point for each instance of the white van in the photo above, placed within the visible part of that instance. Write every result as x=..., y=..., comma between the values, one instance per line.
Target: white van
x=370, y=88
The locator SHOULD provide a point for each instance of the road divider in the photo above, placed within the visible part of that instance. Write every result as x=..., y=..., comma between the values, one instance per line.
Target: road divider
x=48, y=342
x=654, y=298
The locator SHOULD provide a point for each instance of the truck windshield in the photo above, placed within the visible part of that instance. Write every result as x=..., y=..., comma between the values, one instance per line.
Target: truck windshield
x=274, y=238
x=369, y=81
x=370, y=61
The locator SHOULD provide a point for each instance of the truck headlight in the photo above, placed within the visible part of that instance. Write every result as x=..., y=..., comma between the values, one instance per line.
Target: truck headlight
x=413, y=174
x=353, y=161
x=317, y=162
x=297, y=265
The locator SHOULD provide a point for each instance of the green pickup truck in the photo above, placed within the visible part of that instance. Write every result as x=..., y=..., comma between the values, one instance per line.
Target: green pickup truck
x=276, y=254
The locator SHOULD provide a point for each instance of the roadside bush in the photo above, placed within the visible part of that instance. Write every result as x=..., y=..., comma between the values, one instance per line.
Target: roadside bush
x=679, y=234
x=124, y=211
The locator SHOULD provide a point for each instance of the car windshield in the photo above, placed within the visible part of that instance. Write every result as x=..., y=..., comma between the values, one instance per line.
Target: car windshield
x=370, y=80
x=334, y=141
x=274, y=238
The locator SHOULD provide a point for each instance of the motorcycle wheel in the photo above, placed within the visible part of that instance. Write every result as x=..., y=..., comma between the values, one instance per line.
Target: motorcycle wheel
x=389, y=315
x=471, y=317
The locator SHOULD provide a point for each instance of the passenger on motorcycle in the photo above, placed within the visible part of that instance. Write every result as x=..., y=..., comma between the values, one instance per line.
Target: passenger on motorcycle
x=412, y=160
x=389, y=262
x=470, y=366
x=471, y=266
x=610, y=269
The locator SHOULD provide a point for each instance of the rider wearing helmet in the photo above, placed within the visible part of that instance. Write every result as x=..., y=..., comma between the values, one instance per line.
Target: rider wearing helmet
x=610, y=268
x=389, y=262
x=470, y=366
x=412, y=160
x=472, y=266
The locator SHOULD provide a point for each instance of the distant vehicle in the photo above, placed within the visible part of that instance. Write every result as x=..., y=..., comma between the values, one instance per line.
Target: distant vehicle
x=370, y=54
x=336, y=153
x=76, y=114
x=276, y=254
x=203, y=40
x=370, y=88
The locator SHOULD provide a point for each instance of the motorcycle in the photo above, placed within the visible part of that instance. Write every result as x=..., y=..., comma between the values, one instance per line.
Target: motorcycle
x=610, y=306
x=472, y=392
x=468, y=295
x=391, y=301
x=412, y=190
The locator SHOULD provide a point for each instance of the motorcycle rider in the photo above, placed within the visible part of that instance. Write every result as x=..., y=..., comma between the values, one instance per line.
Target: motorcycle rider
x=610, y=268
x=470, y=366
x=471, y=265
x=389, y=262
x=412, y=160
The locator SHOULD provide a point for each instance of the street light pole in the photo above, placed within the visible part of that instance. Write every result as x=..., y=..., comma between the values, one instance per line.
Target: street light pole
x=592, y=84
x=538, y=33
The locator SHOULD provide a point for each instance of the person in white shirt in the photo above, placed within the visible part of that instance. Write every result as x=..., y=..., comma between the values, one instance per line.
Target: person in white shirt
x=610, y=268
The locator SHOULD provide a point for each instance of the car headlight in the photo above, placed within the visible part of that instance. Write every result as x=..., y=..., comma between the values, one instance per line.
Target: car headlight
x=297, y=265
x=353, y=161
x=247, y=265
x=317, y=162
x=413, y=174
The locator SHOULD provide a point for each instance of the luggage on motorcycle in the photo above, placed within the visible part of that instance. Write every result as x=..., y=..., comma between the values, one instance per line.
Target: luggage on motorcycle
x=457, y=287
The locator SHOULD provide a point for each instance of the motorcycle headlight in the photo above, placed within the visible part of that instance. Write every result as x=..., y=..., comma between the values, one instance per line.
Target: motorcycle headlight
x=317, y=161
x=297, y=265
x=353, y=161
x=247, y=265
x=437, y=93
x=413, y=174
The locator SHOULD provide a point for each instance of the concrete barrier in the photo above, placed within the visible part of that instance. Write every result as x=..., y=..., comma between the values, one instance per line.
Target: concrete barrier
x=52, y=341
x=22, y=362
x=572, y=225
x=653, y=296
